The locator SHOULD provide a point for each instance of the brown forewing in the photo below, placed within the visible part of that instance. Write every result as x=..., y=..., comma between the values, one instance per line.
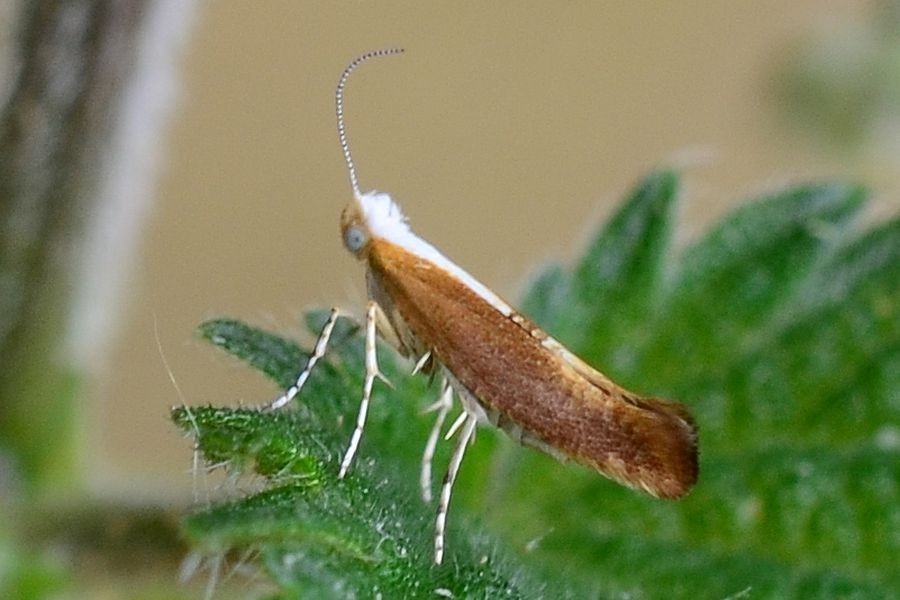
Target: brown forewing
x=644, y=443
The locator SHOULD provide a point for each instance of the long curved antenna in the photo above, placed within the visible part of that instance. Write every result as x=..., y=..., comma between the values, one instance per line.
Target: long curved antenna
x=339, y=108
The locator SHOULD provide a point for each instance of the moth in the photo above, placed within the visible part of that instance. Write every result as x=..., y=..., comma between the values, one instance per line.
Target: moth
x=504, y=370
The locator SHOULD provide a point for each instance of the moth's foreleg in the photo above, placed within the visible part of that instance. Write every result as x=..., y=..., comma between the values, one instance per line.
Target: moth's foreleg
x=468, y=430
x=442, y=406
x=318, y=352
x=372, y=373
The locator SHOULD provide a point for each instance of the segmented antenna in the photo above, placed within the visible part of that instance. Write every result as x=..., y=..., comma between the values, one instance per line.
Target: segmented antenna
x=339, y=108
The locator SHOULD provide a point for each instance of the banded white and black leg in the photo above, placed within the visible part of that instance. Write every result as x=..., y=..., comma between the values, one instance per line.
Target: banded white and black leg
x=465, y=435
x=317, y=353
x=442, y=406
x=372, y=373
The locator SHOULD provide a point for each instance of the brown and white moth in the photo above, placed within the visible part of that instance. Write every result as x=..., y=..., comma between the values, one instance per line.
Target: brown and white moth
x=505, y=370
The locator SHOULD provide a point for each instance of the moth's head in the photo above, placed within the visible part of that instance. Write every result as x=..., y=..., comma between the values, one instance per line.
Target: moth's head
x=369, y=215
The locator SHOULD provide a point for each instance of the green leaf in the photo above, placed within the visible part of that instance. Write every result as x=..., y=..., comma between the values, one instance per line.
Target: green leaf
x=615, y=285
x=319, y=535
x=732, y=282
x=547, y=299
x=779, y=328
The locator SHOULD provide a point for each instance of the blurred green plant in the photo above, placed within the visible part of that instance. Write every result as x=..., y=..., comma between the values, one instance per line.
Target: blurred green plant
x=843, y=87
x=780, y=329
x=27, y=575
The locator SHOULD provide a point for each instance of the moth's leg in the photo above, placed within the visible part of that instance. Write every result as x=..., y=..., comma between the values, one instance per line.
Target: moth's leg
x=456, y=424
x=318, y=352
x=468, y=429
x=372, y=373
x=442, y=406
x=386, y=330
x=420, y=364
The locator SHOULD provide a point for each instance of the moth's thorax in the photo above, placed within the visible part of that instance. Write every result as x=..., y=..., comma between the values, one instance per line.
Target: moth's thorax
x=374, y=217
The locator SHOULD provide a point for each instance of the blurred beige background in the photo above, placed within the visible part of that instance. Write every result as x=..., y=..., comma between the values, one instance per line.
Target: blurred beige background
x=507, y=132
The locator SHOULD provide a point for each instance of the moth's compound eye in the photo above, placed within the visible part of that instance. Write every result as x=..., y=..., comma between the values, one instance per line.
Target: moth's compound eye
x=355, y=238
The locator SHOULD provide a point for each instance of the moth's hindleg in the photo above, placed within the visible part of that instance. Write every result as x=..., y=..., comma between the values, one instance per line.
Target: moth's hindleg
x=442, y=406
x=468, y=430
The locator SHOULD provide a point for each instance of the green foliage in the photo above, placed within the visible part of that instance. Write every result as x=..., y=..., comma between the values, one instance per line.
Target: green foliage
x=319, y=536
x=843, y=84
x=29, y=575
x=779, y=328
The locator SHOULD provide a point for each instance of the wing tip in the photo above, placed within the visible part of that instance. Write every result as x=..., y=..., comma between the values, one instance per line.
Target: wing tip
x=676, y=448
x=662, y=459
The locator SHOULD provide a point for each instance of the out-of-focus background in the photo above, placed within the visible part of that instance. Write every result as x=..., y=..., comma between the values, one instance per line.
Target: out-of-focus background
x=506, y=131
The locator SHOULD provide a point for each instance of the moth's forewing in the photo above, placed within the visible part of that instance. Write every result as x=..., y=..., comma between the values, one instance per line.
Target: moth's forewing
x=528, y=382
